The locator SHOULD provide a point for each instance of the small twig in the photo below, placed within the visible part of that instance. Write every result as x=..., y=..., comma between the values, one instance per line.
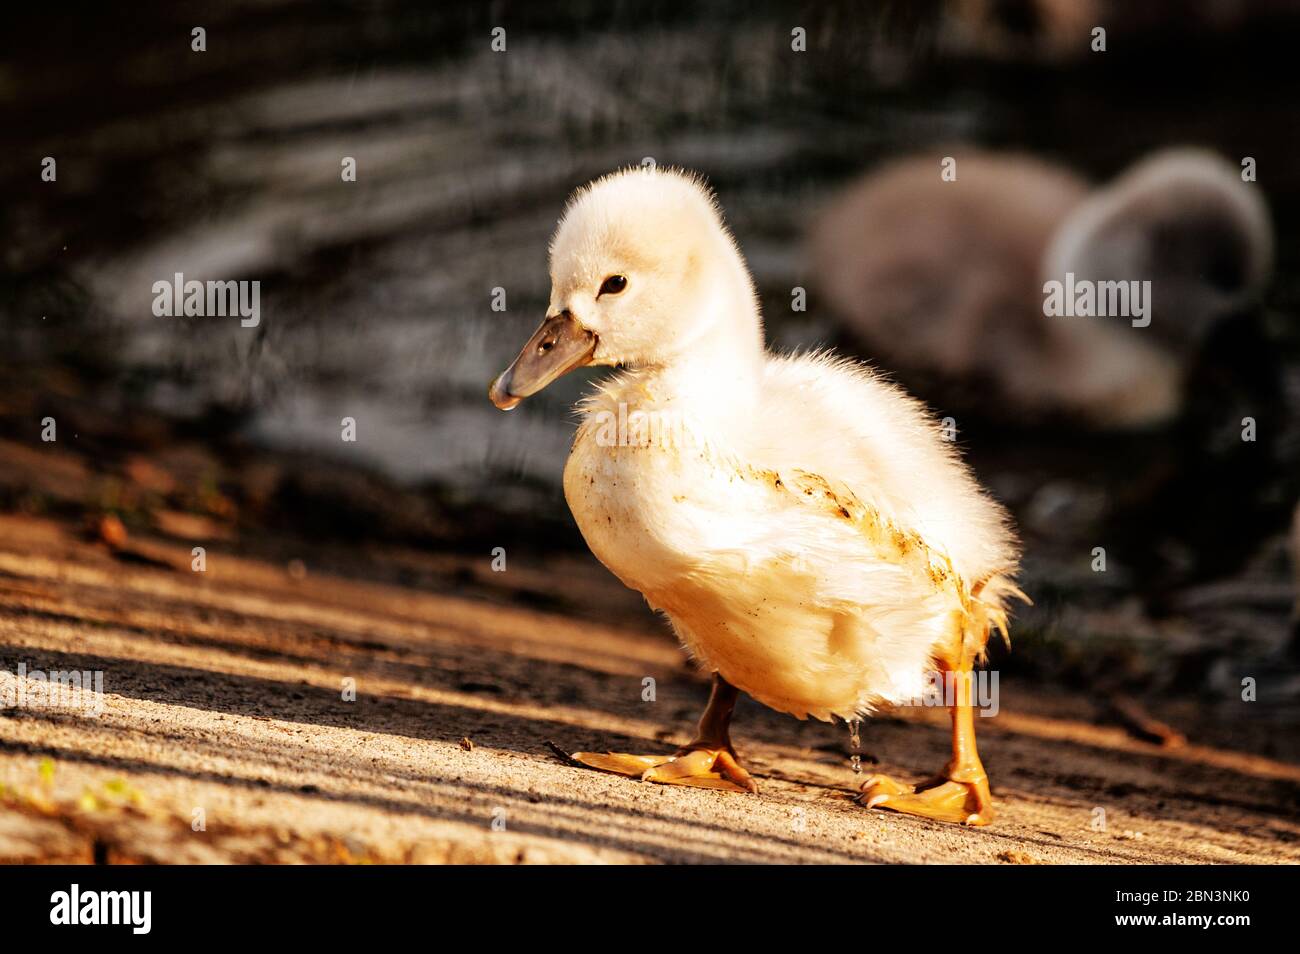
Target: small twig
x=1141, y=724
x=563, y=755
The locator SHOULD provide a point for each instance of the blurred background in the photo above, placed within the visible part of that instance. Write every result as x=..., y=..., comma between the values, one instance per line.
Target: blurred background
x=376, y=295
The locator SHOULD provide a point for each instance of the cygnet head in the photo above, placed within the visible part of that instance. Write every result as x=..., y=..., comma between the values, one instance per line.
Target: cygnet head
x=643, y=273
x=1183, y=219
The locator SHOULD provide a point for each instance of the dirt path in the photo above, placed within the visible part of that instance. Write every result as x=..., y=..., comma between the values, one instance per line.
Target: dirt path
x=224, y=694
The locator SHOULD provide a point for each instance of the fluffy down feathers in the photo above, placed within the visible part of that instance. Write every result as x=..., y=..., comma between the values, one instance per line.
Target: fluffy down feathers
x=802, y=522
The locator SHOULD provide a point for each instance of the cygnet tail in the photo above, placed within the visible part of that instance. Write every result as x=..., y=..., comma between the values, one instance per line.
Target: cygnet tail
x=986, y=611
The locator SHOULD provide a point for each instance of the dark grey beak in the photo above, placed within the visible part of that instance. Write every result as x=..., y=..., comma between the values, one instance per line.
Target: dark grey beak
x=556, y=348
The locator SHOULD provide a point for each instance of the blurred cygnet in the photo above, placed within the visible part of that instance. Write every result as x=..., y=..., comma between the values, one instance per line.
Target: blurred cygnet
x=950, y=277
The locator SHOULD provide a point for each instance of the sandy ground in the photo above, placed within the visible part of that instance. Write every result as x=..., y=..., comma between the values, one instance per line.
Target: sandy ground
x=224, y=703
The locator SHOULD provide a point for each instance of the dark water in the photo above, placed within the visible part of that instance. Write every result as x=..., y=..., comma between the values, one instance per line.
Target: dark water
x=376, y=294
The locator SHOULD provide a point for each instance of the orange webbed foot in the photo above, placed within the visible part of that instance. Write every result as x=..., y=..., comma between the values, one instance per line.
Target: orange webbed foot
x=946, y=800
x=697, y=766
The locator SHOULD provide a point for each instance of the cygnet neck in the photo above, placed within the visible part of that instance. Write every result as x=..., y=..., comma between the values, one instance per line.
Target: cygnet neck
x=716, y=375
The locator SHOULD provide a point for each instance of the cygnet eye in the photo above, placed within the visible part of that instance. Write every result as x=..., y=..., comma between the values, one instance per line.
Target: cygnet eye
x=613, y=285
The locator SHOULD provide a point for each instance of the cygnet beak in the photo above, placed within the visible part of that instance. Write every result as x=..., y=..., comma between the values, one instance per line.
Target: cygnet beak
x=556, y=348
